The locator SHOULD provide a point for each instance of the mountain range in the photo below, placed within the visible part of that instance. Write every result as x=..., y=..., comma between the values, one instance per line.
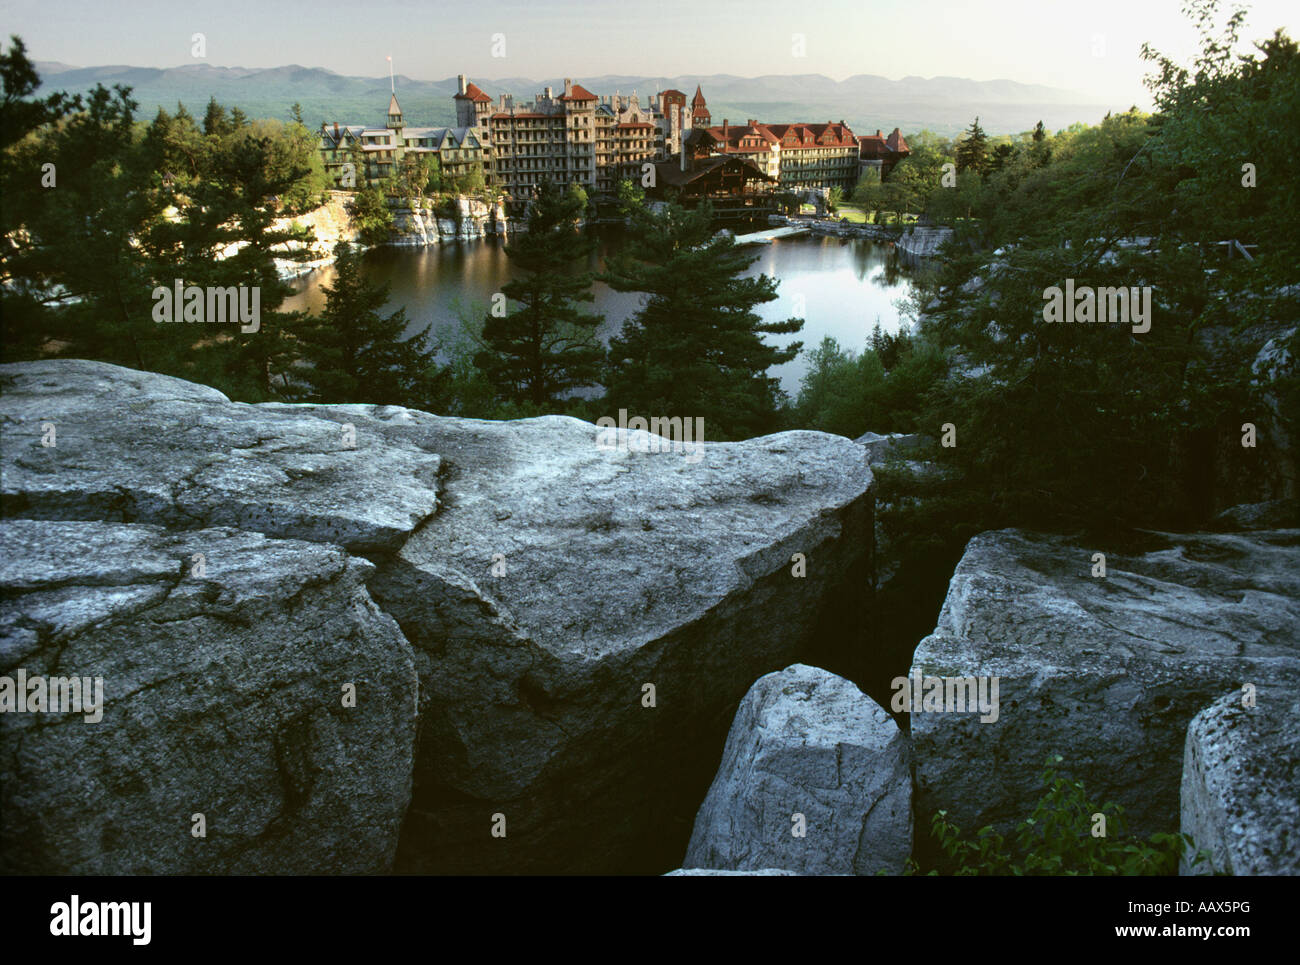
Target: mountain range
x=866, y=102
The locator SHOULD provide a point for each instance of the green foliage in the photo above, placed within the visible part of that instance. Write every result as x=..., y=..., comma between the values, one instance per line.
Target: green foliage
x=694, y=347
x=546, y=346
x=374, y=219
x=631, y=197
x=1057, y=838
x=972, y=150
x=880, y=390
x=355, y=354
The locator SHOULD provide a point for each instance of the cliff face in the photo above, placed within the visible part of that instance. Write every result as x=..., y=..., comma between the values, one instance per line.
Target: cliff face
x=355, y=638
x=415, y=224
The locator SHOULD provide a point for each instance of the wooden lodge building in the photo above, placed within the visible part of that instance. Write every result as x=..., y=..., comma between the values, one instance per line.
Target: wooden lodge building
x=735, y=186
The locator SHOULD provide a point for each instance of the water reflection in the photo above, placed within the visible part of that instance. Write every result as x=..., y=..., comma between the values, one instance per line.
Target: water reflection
x=844, y=287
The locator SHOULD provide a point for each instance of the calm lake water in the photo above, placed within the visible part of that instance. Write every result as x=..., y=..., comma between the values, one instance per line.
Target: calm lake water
x=842, y=286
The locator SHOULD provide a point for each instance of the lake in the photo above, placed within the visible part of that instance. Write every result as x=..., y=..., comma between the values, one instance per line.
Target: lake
x=841, y=287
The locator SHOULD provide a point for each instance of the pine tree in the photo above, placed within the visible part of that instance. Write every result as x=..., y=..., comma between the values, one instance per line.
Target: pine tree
x=972, y=151
x=547, y=345
x=694, y=349
x=358, y=355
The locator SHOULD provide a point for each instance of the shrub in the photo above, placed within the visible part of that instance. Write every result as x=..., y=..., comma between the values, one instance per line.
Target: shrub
x=1058, y=839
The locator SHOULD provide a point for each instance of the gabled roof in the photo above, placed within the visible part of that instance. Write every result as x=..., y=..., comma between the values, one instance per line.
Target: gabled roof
x=814, y=135
x=896, y=143
x=578, y=93
x=474, y=93
x=670, y=173
x=738, y=132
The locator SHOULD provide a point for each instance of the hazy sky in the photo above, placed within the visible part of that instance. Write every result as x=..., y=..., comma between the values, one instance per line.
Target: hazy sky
x=1086, y=45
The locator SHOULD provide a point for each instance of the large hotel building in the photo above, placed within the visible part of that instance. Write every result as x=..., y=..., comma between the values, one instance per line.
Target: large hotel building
x=576, y=137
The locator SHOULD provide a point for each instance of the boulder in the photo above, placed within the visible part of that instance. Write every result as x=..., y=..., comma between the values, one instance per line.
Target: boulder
x=1105, y=671
x=891, y=445
x=560, y=580
x=585, y=617
x=223, y=695
x=808, y=751
x=1241, y=783
x=139, y=447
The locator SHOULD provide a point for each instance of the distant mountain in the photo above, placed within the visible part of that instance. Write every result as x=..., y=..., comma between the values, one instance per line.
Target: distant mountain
x=865, y=101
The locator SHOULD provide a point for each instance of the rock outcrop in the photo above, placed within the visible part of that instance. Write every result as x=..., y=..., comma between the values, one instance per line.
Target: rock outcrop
x=1106, y=671
x=416, y=223
x=920, y=244
x=583, y=619
x=815, y=778
x=1241, y=783
x=224, y=663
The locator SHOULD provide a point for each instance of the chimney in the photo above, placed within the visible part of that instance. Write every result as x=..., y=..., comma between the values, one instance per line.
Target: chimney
x=549, y=95
x=568, y=87
x=878, y=132
x=336, y=130
x=460, y=80
x=683, y=151
x=725, y=127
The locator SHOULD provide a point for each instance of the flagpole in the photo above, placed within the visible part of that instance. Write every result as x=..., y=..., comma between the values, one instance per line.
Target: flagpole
x=391, y=84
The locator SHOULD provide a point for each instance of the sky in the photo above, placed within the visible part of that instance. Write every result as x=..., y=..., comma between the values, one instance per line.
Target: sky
x=1090, y=46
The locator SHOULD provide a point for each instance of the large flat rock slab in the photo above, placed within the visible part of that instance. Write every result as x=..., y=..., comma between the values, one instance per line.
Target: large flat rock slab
x=1241, y=783
x=558, y=579
x=139, y=447
x=222, y=695
x=815, y=778
x=1105, y=671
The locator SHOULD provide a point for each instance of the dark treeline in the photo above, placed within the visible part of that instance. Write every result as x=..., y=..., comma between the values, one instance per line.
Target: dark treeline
x=1092, y=429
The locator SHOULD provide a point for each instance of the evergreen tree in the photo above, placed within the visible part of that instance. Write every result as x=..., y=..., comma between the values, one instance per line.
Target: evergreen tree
x=972, y=150
x=547, y=345
x=357, y=354
x=694, y=348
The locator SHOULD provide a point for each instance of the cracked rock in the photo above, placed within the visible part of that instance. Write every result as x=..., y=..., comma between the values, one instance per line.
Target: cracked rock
x=222, y=696
x=1105, y=671
x=808, y=744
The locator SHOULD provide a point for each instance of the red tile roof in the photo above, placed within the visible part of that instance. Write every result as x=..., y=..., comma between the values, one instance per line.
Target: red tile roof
x=578, y=93
x=738, y=132
x=810, y=135
x=474, y=93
